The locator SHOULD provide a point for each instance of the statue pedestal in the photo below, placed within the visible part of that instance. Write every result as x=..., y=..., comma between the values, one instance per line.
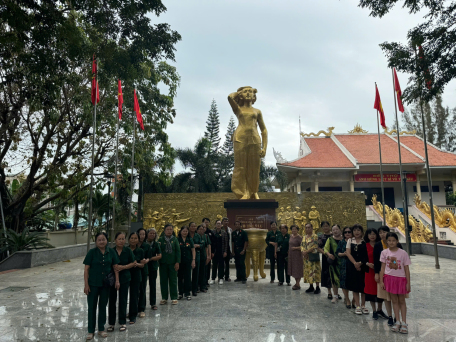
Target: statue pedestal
x=255, y=216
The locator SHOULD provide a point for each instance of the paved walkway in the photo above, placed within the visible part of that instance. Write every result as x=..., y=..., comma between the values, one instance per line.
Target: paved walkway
x=52, y=307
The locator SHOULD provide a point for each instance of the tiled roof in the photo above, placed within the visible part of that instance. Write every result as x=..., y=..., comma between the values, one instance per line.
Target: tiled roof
x=436, y=157
x=364, y=147
x=325, y=154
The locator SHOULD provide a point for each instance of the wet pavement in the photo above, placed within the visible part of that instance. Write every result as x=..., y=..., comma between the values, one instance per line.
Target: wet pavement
x=47, y=303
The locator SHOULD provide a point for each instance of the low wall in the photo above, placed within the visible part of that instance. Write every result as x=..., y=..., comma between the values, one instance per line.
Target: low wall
x=445, y=251
x=66, y=237
x=28, y=259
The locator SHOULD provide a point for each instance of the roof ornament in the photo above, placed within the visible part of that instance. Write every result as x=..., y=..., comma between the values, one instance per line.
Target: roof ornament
x=357, y=130
x=328, y=134
x=278, y=157
x=393, y=131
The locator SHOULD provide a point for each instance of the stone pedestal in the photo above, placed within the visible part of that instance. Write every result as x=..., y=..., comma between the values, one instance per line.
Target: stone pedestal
x=255, y=217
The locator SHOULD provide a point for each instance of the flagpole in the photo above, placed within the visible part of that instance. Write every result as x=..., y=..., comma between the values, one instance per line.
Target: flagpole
x=381, y=165
x=429, y=180
x=115, y=181
x=132, y=170
x=89, y=228
x=403, y=188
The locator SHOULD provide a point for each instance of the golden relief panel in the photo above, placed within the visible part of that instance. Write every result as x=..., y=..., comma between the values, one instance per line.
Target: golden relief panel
x=343, y=208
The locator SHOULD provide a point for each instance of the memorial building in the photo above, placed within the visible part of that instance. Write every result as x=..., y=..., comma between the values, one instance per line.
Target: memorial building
x=329, y=161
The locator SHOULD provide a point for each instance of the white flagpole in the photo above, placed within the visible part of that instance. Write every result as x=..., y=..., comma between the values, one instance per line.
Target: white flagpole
x=89, y=230
x=381, y=165
x=132, y=170
x=115, y=181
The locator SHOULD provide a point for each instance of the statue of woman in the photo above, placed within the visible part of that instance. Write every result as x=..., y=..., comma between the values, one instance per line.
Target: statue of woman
x=248, y=147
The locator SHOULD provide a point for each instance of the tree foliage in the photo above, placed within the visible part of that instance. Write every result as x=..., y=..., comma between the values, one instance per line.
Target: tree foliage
x=22, y=241
x=439, y=123
x=212, y=133
x=437, y=36
x=46, y=118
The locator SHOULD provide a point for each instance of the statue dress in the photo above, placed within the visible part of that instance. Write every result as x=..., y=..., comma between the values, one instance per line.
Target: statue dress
x=248, y=147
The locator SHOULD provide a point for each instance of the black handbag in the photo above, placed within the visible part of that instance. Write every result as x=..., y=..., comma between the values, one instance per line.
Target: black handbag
x=314, y=257
x=109, y=280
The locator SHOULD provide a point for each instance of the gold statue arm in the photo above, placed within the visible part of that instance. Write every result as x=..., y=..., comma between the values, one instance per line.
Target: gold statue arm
x=234, y=104
x=264, y=134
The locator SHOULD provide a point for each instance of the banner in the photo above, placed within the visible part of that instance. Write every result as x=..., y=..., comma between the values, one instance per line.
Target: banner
x=375, y=177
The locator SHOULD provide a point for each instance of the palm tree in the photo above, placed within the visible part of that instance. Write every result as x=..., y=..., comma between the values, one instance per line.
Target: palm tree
x=25, y=240
x=99, y=207
x=201, y=163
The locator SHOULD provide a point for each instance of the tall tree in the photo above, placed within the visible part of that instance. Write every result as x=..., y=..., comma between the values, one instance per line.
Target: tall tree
x=437, y=122
x=46, y=49
x=201, y=176
x=437, y=36
x=226, y=158
x=212, y=133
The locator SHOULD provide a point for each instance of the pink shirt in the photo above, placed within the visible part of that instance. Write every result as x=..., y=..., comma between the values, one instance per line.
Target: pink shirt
x=395, y=262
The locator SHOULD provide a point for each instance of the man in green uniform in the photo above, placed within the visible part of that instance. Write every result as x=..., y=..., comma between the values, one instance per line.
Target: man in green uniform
x=281, y=254
x=203, y=258
x=240, y=241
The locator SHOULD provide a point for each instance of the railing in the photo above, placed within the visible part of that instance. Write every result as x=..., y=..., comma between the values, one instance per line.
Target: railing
x=452, y=208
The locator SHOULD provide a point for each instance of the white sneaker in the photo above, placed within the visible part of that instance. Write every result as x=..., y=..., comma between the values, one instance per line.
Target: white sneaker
x=220, y=281
x=211, y=282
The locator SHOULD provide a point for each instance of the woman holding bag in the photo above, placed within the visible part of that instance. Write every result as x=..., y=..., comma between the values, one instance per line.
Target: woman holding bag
x=333, y=260
x=312, y=268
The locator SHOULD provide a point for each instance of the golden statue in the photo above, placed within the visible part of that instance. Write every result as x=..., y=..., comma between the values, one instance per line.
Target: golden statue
x=248, y=147
x=280, y=216
x=289, y=217
x=150, y=219
x=256, y=252
x=314, y=217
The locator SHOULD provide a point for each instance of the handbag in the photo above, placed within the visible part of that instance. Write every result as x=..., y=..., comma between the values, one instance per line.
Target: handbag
x=109, y=280
x=314, y=257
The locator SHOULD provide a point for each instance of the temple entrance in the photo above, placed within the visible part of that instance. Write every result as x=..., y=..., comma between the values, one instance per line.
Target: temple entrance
x=389, y=195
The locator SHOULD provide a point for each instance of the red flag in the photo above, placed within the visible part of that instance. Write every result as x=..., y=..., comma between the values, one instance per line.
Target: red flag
x=397, y=87
x=120, y=99
x=95, y=89
x=138, y=112
x=378, y=106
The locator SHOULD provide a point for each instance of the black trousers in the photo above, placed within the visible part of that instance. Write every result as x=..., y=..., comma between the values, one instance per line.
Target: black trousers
x=133, y=304
x=282, y=268
x=272, y=271
x=218, y=264
x=202, y=279
x=123, y=299
x=184, y=278
x=195, y=275
x=153, y=287
x=227, y=266
x=142, y=293
x=239, y=261
x=208, y=272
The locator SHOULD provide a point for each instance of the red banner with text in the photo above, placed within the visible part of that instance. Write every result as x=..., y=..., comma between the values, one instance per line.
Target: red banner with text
x=375, y=177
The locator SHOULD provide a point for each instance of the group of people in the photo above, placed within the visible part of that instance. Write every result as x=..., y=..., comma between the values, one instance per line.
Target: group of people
x=371, y=264
x=116, y=276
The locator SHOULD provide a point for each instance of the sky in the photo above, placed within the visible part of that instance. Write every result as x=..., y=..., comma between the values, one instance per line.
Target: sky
x=317, y=60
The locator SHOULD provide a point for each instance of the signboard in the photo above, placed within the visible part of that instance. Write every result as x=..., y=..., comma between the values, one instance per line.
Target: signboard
x=252, y=221
x=375, y=177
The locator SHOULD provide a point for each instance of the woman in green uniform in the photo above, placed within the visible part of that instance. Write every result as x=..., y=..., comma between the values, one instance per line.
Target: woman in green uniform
x=281, y=254
x=135, y=272
x=187, y=263
x=271, y=241
x=153, y=254
x=169, y=265
x=197, y=244
x=126, y=261
x=144, y=273
x=204, y=257
x=100, y=263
